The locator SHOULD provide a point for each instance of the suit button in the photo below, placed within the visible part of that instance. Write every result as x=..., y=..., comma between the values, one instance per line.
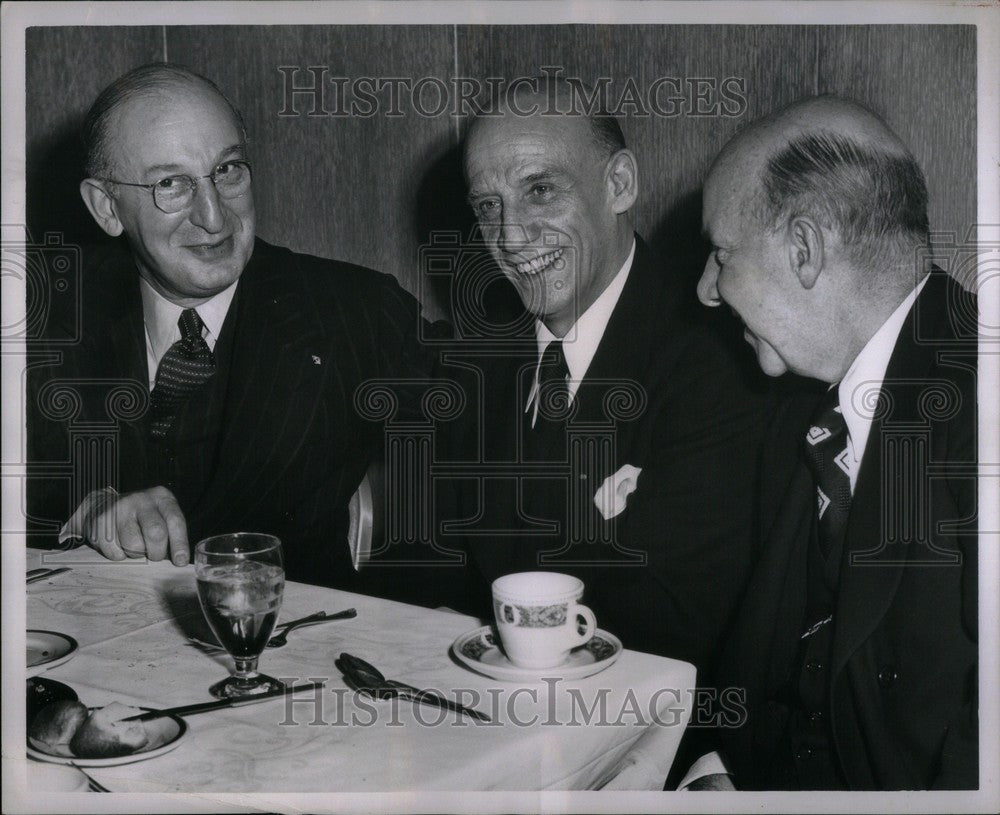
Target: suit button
x=804, y=754
x=814, y=666
x=816, y=717
x=887, y=676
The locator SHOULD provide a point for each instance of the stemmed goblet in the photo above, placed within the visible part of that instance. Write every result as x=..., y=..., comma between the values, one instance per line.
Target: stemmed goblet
x=241, y=580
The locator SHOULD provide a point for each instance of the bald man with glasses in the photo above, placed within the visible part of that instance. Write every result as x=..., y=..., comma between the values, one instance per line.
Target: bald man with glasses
x=226, y=367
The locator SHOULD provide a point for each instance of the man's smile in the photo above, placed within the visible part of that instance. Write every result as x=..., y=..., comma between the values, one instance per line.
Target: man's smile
x=540, y=263
x=212, y=250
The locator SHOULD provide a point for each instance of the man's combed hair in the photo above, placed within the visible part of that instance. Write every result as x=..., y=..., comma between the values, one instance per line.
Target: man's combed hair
x=608, y=133
x=875, y=200
x=144, y=79
x=576, y=98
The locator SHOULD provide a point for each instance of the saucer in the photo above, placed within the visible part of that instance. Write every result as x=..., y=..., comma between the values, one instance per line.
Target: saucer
x=479, y=651
x=46, y=649
x=55, y=778
x=164, y=735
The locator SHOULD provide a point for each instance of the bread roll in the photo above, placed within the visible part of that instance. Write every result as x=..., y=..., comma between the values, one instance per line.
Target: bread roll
x=55, y=725
x=104, y=735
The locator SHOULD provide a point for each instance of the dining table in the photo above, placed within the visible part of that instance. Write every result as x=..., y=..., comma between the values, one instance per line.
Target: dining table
x=142, y=640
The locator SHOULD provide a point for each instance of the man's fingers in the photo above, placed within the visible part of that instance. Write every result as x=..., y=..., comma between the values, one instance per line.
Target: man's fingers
x=154, y=530
x=148, y=523
x=130, y=542
x=176, y=527
x=103, y=535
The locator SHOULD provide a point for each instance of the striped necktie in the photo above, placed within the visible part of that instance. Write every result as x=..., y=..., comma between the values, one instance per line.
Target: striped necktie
x=186, y=366
x=826, y=454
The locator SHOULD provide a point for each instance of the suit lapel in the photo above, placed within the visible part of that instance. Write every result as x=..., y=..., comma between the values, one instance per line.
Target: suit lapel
x=120, y=357
x=624, y=352
x=869, y=581
x=274, y=382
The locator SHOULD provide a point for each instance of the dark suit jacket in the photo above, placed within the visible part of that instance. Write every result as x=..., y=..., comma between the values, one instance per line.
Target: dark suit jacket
x=661, y=394
x=904, y=661
x=280, y=445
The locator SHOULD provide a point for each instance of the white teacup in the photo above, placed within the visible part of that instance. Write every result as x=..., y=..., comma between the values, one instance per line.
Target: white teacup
x=537, y=617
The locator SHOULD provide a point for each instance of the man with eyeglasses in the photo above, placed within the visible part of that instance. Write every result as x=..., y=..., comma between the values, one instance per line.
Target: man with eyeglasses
x=226, y=367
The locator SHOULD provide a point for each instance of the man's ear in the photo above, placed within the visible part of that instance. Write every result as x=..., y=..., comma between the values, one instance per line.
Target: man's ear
x=102, y=205
x=623, y=180
x=806, y=253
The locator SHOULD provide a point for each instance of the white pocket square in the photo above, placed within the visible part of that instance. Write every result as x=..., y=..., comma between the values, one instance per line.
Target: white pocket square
x=613, y=494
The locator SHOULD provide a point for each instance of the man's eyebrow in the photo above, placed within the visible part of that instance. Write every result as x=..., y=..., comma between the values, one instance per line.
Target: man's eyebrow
x=474, y=195
x=541, y=175
x=177, y=168
x=162, y=168
x=236, y=148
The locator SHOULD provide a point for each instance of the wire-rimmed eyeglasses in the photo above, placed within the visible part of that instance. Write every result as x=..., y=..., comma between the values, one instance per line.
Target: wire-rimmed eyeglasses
x=176, y=192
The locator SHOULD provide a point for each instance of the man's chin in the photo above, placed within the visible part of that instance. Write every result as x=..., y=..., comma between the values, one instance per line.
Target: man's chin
x=768, y=359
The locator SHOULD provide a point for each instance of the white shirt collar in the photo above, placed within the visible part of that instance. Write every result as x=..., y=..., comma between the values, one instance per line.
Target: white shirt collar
x=857, y=390
x=581, y=341
x=161, y=316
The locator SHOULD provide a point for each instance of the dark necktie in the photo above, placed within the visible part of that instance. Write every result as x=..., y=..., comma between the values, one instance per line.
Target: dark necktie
x=186, y=366
x=545, y=434
x=552, y=397
x=826, y=454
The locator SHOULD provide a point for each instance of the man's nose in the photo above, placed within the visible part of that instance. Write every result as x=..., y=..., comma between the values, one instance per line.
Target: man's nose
x=513, y=233
x=708, y=291
x=206, y=207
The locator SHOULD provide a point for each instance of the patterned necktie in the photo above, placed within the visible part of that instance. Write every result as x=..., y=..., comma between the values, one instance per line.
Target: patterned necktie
x=552, y=397
x=186, y=366
x=826, y=454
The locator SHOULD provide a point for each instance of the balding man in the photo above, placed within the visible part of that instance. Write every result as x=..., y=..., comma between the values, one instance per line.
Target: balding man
x=856, y=646
x=615, y=438
x=220, y=369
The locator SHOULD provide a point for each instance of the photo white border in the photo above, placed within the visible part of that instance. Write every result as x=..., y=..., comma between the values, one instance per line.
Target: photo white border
x=16, y=17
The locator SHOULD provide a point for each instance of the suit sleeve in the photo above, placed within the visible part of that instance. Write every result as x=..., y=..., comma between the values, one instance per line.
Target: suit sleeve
x=696, y=516
x=959, y=766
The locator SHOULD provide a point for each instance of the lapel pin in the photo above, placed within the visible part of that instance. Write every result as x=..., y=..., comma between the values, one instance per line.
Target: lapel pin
x=317, y=360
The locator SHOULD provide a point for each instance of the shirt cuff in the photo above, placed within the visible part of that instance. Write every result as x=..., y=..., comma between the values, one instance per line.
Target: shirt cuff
x=95, y=503
x=708, y=764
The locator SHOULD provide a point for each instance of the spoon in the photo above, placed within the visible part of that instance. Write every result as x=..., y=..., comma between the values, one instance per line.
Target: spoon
x=280, y=640
x=366, y=678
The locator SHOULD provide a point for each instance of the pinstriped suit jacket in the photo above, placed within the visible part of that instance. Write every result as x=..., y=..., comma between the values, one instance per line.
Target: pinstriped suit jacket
x=286, y=446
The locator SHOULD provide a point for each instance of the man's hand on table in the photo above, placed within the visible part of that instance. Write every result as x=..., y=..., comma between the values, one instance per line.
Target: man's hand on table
x=147, y=523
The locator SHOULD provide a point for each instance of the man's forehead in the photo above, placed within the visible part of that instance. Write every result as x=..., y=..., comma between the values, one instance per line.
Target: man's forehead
x=159, y=125
x=531, y=143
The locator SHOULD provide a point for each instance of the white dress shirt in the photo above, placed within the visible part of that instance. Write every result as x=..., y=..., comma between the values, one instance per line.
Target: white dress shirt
x=161, y=316
x=859, y=388
x=581, y=341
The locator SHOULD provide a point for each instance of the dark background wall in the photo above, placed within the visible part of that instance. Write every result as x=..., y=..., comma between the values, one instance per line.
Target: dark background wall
x=369, y=189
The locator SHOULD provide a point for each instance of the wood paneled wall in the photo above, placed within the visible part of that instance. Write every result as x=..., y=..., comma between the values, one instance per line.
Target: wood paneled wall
x=369, y=189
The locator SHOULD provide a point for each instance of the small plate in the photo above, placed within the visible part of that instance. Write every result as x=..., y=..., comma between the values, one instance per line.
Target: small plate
x=46, y=649
x=164, y=735
x=478, y=650
x=43, y=691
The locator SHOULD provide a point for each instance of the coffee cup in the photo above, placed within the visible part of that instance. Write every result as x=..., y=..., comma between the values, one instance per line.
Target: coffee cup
x=539, y=617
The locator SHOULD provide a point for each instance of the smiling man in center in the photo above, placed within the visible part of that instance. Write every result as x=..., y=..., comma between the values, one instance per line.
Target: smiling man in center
x=617, y=438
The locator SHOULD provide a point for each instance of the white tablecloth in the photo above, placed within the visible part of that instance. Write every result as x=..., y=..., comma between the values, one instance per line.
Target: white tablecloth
x=133, y=619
